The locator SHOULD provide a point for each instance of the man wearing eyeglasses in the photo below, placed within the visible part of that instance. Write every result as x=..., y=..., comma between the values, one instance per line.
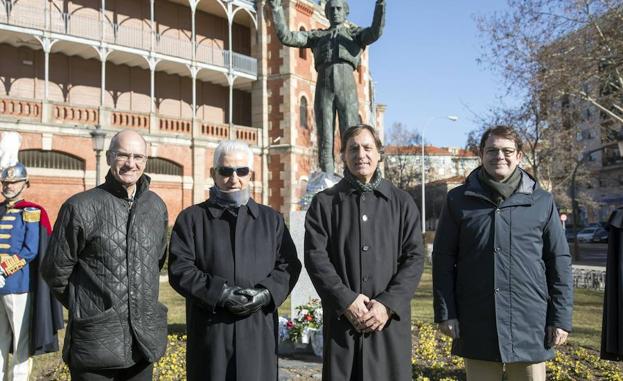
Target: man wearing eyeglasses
x=501, y=267
x=103, y=264
x=235, y=263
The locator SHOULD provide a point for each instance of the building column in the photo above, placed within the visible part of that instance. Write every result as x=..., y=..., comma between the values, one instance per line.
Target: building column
x=104, y=114
x=103, y=23
x=231, y=79
x=259, y=93
x=152, y=20
x=230, y=73
x=199, y=173
x=103, y=53
x=194, y=70
x=46, y=44
x=153, y=119
x=193, y=10
x=47, y=22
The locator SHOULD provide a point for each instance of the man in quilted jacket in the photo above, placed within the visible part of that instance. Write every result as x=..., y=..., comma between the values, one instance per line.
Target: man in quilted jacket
x=103, y=264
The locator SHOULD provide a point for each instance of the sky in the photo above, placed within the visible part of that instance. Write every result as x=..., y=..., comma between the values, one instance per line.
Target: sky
x=425, y=65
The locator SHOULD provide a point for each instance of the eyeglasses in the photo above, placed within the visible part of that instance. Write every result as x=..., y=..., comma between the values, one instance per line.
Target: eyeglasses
x=229, y=171
x=124, y=157
x=493, y=152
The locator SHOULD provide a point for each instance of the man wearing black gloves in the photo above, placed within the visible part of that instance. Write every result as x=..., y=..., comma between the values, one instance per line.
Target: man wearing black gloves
x=234, y=261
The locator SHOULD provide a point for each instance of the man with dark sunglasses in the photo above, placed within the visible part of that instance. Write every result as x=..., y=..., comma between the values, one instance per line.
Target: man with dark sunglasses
x=234, y=261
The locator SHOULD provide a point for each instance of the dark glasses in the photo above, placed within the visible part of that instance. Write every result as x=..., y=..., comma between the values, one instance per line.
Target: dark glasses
x=229, y=171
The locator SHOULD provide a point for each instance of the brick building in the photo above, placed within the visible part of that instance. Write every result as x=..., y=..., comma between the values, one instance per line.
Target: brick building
x=403, y=164
x=186, y=73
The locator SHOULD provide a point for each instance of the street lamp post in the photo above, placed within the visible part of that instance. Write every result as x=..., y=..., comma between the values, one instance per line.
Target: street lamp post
x=423, y=211
x=97, y=137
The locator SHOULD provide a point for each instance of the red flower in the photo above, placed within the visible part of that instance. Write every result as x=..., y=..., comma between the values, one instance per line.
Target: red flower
x=309, y=318
x=290, y=324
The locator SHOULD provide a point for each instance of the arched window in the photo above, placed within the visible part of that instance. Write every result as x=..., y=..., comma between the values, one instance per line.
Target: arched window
x=159, y=166
x=303, y=112
x=302, y=51
x=34, y=158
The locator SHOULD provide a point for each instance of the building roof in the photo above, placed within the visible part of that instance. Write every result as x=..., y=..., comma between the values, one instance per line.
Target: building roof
x=449, y=180
x=429, y=150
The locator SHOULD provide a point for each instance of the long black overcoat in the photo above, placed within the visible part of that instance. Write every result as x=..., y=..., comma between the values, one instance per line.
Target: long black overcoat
x=612, y=328
x=202, y=260
x=364, y=243
x=504, y=272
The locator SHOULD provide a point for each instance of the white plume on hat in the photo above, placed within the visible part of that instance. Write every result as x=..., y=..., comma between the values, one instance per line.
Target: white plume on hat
x=10, y=141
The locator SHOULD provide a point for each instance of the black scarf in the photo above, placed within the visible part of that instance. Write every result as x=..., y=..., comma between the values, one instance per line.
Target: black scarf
x=500, y=190
x=361, y=187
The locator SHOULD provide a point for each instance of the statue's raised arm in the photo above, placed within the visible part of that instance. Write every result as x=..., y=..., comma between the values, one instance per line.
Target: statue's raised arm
x=287, y=37
x=374, y=32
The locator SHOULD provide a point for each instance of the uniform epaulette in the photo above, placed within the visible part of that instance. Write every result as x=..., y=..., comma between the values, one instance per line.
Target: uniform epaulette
x=31, y=215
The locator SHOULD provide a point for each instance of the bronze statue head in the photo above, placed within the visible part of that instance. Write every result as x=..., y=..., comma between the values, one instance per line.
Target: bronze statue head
x=336, y=11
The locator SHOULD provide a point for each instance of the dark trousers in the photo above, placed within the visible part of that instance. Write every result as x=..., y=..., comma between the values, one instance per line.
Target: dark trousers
x=140, y=372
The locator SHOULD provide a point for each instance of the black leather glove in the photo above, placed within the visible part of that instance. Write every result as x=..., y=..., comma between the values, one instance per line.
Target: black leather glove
x=256, y=299
x=229, y=299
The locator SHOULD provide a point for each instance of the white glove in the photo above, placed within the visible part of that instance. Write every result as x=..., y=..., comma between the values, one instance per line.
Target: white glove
x=2, y=281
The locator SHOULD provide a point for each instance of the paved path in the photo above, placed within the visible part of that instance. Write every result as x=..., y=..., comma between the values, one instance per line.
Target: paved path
x=300, y=368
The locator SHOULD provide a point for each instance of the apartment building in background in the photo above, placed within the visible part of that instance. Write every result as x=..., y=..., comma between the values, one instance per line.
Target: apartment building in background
x=185, y=73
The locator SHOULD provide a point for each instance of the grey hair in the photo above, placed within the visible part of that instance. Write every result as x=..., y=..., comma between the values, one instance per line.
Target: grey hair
x=231, y=146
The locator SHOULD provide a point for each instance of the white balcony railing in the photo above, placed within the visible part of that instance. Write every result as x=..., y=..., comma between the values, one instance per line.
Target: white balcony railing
x=29, y=17
x=175, y=47
x=84, y=26
x=129, y=36
x=124, y=35
x=211, y=54
x=243, y=63
x=250, y=3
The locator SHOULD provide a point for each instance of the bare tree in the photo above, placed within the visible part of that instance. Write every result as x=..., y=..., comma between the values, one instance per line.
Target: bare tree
x=400, y=160
x=559, y=57
x=566, y=48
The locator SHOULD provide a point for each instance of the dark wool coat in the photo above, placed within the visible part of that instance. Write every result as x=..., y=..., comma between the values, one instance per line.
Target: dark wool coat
x=202, y=259
x=612, y=329
x=504, y=272
x=369, y=244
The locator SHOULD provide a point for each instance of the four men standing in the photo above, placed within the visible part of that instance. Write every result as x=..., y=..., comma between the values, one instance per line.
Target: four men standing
x=501, y=269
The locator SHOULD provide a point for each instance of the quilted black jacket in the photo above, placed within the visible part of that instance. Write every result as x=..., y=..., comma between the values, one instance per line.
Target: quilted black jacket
x=103, y=264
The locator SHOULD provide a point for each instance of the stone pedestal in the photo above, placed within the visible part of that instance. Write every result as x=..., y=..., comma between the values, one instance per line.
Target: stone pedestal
x=304, y=290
